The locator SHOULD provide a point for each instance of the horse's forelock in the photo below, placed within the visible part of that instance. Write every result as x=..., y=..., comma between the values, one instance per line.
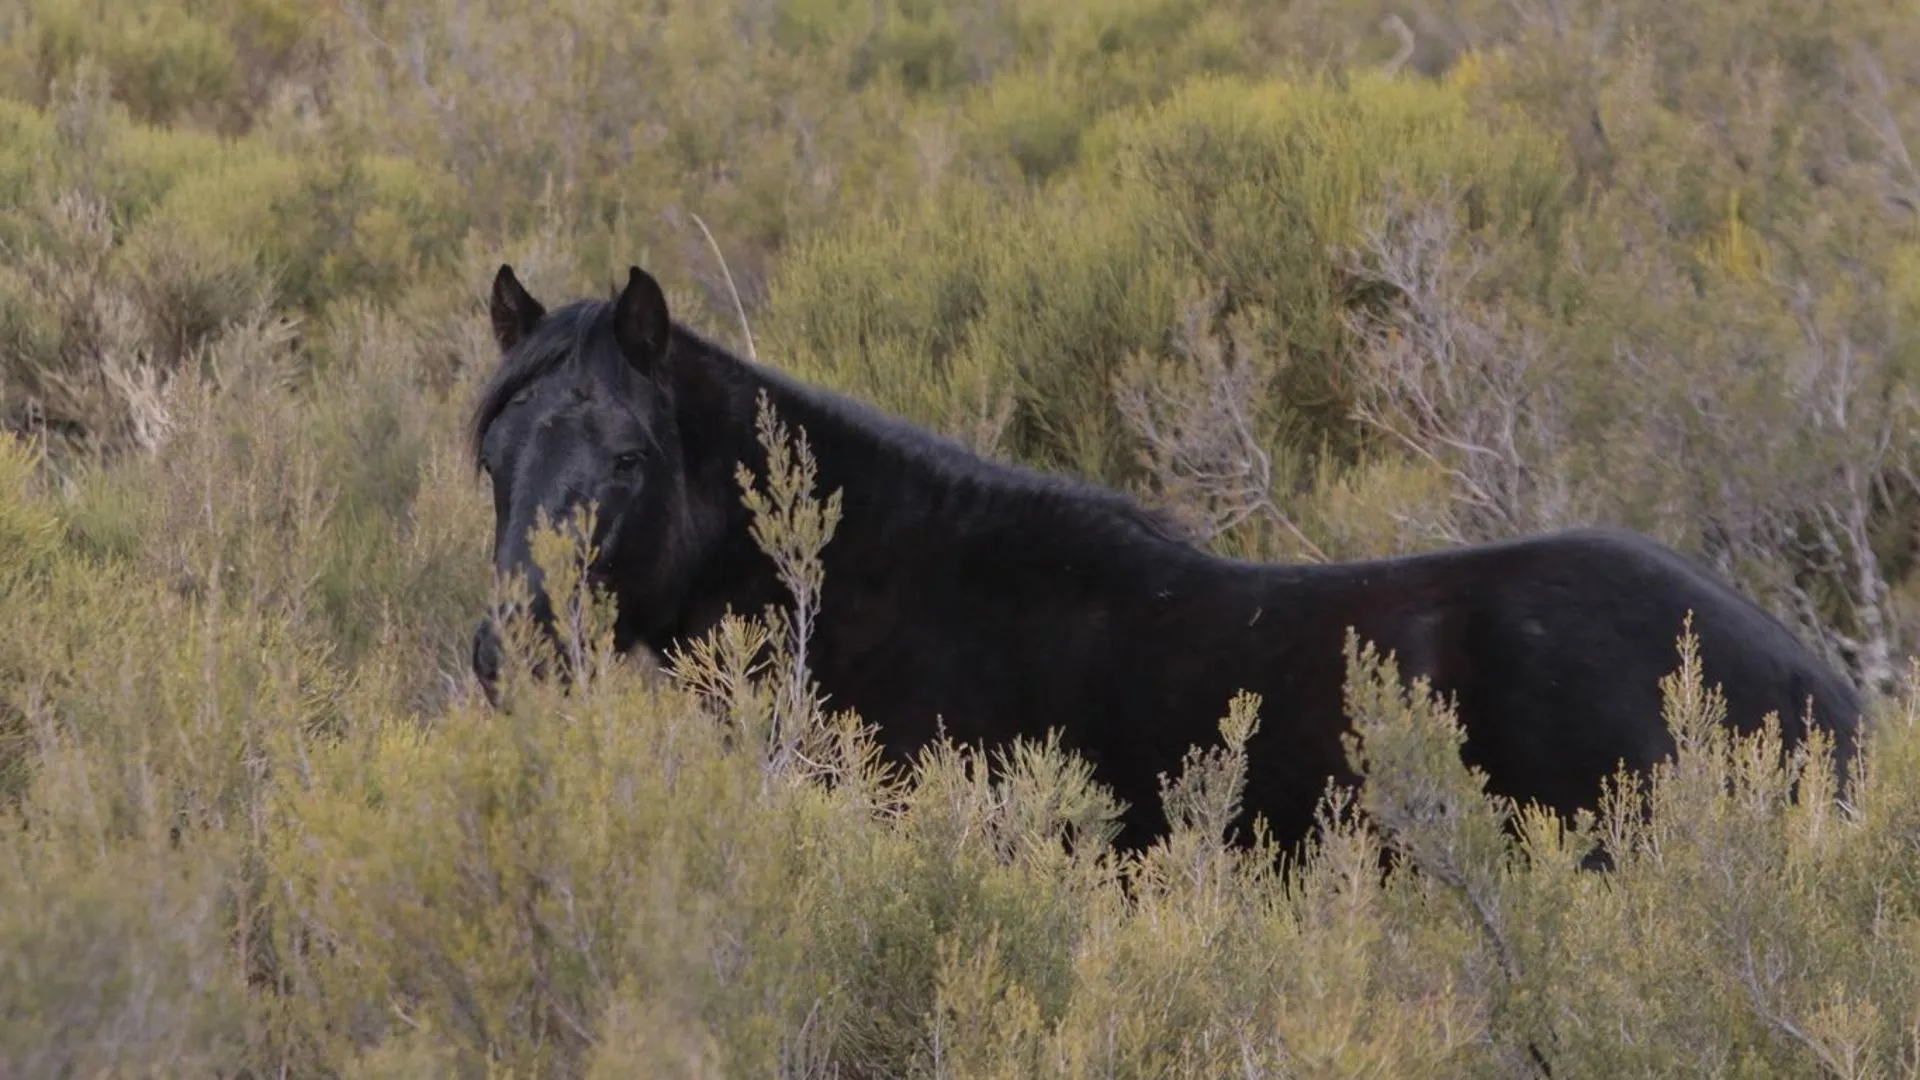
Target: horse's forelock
x=560, y=336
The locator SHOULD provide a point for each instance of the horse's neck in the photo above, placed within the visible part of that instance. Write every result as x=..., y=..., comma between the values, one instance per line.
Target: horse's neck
x=913, y=522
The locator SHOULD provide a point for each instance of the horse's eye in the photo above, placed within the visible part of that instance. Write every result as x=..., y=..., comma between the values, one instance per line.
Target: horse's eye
x=629, y=460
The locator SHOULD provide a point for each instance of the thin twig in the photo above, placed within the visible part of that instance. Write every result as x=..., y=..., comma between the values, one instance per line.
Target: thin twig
x=738, y=308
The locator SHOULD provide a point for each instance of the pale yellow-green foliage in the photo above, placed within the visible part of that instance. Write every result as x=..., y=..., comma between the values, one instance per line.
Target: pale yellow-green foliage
x=216, y=63
x=234, y=852
x=1242, y=184
x=1650, y=263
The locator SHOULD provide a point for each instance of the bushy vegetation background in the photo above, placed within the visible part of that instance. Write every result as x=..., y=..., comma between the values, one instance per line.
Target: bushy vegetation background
x=1329, y=279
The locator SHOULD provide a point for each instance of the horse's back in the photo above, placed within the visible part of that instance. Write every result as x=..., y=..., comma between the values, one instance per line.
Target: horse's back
x=1572, y=633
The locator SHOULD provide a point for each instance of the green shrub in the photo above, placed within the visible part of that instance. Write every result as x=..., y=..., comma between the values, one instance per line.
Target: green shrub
x=216, y=64
x=1240, y=186
x=1034, y=120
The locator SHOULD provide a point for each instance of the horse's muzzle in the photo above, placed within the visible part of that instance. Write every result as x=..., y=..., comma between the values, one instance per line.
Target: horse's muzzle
x=486, y=661
x=489, y=653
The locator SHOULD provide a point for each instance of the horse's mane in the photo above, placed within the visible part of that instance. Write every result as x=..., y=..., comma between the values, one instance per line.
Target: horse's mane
x=941, y=466
x=946, y=471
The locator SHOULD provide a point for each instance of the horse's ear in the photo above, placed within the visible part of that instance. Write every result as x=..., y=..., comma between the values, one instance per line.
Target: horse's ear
x=513, y=309
x=640, y=321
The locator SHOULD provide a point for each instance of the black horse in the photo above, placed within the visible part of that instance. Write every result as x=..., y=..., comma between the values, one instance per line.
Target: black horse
x=1005, y=601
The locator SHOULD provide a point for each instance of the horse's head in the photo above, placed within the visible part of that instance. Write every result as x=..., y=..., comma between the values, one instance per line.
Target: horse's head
x=581, y=411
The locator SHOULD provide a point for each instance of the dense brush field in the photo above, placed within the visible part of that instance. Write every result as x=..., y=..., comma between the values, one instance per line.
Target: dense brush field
x=1328, y=278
